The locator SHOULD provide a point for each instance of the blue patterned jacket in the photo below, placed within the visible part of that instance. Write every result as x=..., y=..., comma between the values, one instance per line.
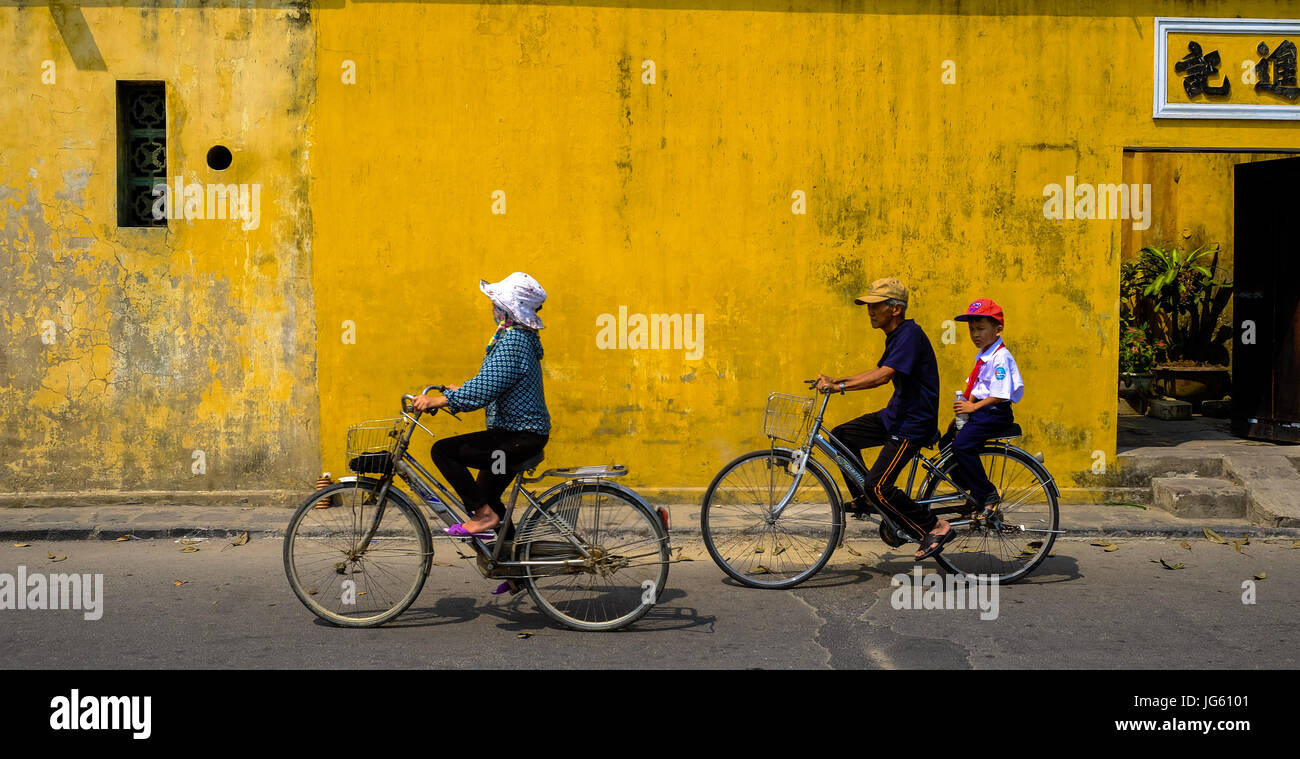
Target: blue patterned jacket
x=508, y=386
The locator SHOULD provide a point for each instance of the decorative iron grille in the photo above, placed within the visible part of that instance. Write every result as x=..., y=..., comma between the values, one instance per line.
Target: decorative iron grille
x=141, y=152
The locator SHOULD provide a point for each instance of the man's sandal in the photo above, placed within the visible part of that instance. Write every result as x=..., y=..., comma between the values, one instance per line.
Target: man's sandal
x=933, y=544
x=989, y=510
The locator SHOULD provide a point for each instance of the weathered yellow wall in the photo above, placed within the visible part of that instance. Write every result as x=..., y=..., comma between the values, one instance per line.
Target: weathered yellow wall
x=676, y=198
x=197, y=337
x=672, y=197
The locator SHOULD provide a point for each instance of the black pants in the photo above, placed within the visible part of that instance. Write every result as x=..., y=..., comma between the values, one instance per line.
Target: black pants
x=895, y=454
x=967, y=443
x=497, y=454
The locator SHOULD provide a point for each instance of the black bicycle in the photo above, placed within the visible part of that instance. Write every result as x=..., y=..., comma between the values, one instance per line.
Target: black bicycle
x=773, y=517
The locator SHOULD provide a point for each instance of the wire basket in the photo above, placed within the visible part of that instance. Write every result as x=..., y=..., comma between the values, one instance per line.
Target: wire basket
x=371, y=445
x=788, y=417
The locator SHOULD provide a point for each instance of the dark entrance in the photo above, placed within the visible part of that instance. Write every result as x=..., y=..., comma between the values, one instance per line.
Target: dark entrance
x=1266, y=364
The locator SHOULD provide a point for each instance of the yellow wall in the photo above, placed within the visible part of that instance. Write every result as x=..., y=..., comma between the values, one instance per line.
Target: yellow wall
x=167, y=341
x=673, y=197
x=676, y=198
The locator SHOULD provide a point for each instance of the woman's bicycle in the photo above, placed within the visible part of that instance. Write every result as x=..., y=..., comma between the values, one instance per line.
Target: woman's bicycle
x=591, y=553
x=772, y=518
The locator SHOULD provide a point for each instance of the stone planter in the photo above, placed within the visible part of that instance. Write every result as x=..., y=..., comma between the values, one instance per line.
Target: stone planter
x=1193, y=383
x=1136, y=389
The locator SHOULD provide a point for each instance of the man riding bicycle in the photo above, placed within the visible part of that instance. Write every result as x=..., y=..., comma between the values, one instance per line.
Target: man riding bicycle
x=905, y=425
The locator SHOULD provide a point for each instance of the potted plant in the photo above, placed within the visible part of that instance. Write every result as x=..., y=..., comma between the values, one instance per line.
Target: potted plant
x=1137, y=356
x=1182, y=301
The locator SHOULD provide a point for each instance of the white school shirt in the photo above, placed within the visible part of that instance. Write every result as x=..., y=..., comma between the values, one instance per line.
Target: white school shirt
x=999, y=377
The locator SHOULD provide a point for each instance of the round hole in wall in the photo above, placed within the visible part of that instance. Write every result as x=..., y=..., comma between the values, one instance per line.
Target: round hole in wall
x=219, y=158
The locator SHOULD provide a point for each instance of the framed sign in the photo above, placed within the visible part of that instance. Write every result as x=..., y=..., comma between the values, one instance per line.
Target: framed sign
x=1226, y=68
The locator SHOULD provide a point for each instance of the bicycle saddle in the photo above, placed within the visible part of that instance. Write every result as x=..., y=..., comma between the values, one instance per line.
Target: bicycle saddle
x=933, y=439
x=529, y=465
x=1008, y=432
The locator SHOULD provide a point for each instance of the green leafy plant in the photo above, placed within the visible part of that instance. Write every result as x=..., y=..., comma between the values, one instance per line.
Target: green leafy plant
x=1137, y=353
x=1177, y=298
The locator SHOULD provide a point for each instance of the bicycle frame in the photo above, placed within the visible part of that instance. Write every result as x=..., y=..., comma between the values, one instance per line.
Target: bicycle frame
x=423, y=483
x=822, y=439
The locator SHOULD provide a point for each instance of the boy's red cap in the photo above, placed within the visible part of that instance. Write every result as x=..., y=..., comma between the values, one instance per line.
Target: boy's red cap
x=982, y=307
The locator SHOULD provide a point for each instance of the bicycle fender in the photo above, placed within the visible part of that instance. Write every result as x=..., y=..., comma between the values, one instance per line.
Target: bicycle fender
x=812, y=463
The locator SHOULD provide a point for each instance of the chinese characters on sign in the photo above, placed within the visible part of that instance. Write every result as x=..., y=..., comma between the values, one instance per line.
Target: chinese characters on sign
x=1283, y=63
x=1199, y=68
x=1275, y=73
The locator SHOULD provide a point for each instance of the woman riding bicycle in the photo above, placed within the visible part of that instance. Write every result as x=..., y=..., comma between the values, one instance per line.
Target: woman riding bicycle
x=509, y=387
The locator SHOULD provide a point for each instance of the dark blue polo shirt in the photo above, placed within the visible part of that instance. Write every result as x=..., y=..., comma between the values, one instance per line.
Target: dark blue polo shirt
x=913, y=410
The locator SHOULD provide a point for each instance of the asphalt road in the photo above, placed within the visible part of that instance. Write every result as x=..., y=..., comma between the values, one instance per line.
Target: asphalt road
x=1084, y=608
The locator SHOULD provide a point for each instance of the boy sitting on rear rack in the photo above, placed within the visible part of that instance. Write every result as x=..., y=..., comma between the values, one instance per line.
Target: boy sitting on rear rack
x=993, y=385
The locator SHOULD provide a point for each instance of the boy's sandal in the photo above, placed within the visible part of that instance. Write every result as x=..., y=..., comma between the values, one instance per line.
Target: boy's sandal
x=933, y=544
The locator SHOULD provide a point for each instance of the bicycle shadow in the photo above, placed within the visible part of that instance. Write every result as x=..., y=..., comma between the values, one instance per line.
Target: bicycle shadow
x=520, y=614
x=1054, y=569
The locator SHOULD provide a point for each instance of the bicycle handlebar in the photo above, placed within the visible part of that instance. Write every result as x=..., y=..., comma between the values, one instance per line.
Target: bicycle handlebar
x=407, y=400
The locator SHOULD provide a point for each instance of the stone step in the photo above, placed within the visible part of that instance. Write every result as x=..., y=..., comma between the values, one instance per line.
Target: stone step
x=1195, y=497
x=1137, y=470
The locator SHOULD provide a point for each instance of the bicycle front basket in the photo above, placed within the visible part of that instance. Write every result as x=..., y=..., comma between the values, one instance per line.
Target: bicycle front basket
x=371, y=445
x=788, y=417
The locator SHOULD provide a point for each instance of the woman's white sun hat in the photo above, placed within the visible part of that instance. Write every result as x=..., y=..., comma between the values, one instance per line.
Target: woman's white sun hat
x=519, y=294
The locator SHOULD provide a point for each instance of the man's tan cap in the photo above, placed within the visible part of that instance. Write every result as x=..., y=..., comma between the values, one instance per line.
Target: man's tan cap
x=883, y=290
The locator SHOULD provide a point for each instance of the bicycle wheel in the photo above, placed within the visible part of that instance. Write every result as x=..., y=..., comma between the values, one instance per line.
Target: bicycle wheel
x=1016, y=540
x=628, y=564
x=753, y=547
x=343, y=580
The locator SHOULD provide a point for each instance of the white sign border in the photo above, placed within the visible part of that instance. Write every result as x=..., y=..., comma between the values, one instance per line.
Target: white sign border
x=1163, y=109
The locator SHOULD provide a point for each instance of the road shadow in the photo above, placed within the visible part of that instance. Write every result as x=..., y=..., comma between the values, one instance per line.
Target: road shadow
x=518, y=613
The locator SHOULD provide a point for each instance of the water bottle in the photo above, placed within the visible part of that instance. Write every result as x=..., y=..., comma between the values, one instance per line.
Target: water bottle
x=961, y=418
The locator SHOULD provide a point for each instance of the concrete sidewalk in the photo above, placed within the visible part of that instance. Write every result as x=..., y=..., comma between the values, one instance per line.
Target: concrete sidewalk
x=110, y=523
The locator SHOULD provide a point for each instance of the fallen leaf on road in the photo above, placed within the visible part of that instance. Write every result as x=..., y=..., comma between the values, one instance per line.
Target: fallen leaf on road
x=1213, y=536
x=29, y=545
x=1186, y=545
x=1245, y=540
x=241, y=540
x=1237, y=544
x=189, y=549
x=968, y=549
x=1035, y=544
x=312, y=592
x=1166, y=564
x=778, y=550
x=849, y=548
x=1296, y=544
x=179, y=583
x=1107, y=547
x=1261, y=575
x=758, y=570
x=441, y=564
x=524, y=635
x=758, y=549
x=57, y=558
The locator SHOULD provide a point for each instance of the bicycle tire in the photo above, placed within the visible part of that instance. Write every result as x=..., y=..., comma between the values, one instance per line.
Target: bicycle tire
x=1029, y=513
x=629, y=545
x=734, y=519
x=321, y=555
